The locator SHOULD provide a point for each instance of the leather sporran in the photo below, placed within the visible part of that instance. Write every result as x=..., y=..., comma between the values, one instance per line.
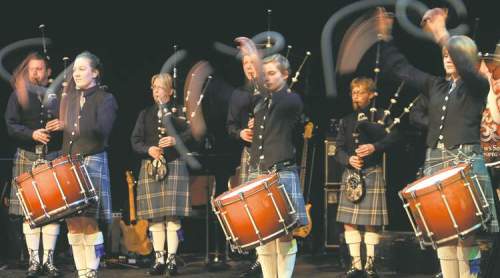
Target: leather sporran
x=157, y=168
x=354, y=186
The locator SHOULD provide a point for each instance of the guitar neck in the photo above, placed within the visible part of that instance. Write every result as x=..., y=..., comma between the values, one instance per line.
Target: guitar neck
x=303, y=166
x=131, y=203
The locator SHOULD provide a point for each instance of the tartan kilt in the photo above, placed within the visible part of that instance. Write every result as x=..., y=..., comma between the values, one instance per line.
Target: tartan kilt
x=168, y=197
x=290, y=179
x=23, y=162
x=372, y=209
x=437, y=159
x=97, y=167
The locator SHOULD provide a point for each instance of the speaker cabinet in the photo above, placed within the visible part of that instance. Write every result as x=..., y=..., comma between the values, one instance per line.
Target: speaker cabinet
x=333, y=229
x=333, y=169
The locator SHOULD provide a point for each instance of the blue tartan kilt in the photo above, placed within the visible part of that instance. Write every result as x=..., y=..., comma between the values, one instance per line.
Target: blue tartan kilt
x=290, y=179
x=167, y=197
x=97, y=167
x=23, y=162
x=437, y=159
x=372, y=209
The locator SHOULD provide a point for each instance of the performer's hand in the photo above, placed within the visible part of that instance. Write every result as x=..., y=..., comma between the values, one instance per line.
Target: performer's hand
x=155, y=152
x=246, y=135
x=434, y=22
x=383, y=23
x=251, y=122
x=356, y=162
x=365, y=150
x=41, y=135
x=166, y=142
x=54, y=125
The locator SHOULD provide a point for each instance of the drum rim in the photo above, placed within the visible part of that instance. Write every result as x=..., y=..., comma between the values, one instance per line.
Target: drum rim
x=268, y=238
x=58, y=161
x=273, y=179
x=419, y=192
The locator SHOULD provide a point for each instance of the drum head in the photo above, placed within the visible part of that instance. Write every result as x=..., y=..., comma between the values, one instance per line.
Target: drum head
x=434, y=179
x=246, y=187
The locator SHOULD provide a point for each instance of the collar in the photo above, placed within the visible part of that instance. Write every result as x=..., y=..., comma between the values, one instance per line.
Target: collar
x=90, y=91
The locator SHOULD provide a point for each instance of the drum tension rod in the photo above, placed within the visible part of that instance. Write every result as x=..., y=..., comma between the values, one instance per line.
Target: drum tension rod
x=256, y=229
x=439, y=185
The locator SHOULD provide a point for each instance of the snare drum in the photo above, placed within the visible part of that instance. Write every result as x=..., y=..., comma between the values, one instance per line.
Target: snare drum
x=445, y=206
x=54, y=190
x=255, y=212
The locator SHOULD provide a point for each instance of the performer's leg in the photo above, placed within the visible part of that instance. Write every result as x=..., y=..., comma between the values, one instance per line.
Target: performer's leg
x=49, y=239
x=469, y=259
x=371, y=239
x=287, y=250
x=32, y=237
x=267, y=257
x=77, y=242
x=173, y=226
x=353, y=241
x=93, y=241
x=447, y=256
x=157, y=229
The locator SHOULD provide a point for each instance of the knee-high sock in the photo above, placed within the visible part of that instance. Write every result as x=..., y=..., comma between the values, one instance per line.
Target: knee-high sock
x=49, y=239
x=172, y=238
x=267, y=257
x=158, y=232
x=287, y=251
x=32, y=237
x=77, y=242
x=371, y=239
x=448, y=260
x=94, y=249
x=469, y=259
x=353, y=240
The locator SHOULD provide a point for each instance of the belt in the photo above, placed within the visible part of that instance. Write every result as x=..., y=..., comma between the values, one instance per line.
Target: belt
x=283, y=165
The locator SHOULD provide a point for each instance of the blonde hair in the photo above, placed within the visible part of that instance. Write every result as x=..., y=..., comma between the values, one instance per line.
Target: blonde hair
x=165, y=79
x=364, y=82
x=282, y=63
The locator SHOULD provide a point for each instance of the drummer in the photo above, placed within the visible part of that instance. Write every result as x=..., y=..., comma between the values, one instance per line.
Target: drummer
x=454, y=111
x=89, y=118
x=272, y=149
x=31, y=123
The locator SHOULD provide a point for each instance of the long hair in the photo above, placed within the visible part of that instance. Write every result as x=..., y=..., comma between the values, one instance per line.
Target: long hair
x=20, y=78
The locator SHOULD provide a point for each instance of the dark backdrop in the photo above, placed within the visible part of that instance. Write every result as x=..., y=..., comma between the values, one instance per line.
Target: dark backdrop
x=134, y=38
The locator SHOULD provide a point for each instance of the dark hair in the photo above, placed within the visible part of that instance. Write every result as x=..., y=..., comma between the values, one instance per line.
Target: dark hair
x=95, y=63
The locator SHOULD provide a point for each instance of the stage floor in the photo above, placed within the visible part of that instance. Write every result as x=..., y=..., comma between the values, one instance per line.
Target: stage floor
x=307, y=266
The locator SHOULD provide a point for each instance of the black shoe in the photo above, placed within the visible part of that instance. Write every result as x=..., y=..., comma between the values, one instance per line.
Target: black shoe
x=35, y=268
x=354, y=273
x=172, y=269
x=254, y=270
x=49, y=268
x=171, y=265
x=157, y=269
x=91, y=274
x=370, y=271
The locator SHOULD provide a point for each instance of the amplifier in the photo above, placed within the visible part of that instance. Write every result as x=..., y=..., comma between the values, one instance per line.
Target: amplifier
x=333, y=169
x=333, y=229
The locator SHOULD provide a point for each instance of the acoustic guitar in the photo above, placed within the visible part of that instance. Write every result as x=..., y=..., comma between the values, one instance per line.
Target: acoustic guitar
x=135, y=236
x=304, y=231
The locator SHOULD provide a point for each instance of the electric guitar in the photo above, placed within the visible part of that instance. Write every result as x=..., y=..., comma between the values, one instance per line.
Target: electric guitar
x=135, y=236
x=304, y=231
